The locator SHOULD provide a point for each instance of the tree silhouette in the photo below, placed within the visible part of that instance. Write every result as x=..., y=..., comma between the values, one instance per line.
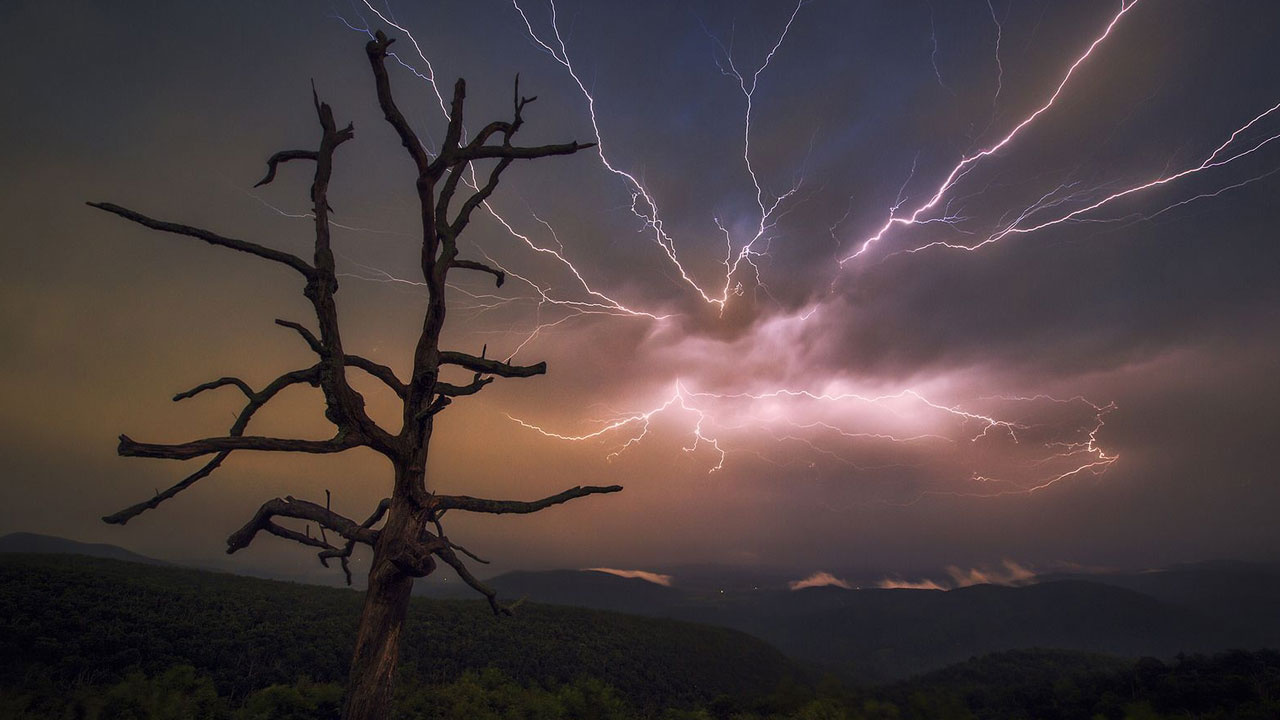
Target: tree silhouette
x=411, y=537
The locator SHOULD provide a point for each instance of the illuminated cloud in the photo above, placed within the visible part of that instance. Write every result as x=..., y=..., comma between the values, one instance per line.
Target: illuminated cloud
x=895, y=584
x=655, y=578
x=1172, y=317
x=1009, y=573
x=819, y=579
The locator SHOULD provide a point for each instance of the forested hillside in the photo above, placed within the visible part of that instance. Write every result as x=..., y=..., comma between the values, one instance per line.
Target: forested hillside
x=100, y=639
x=78, y=619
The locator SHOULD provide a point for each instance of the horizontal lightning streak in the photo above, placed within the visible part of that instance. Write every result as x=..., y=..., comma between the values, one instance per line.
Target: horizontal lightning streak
x=635, y=426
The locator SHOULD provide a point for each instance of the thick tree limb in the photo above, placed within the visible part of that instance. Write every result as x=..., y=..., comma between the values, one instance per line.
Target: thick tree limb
x=302, y=510
x=284, y=156
x=207, y=446
x=377, y=52
x=490, y=367
x=503, y=507
x=453, y=135
x=414, y=556
x=501, y=275
x=513, y=152
x=470, y=388
x=261, y=251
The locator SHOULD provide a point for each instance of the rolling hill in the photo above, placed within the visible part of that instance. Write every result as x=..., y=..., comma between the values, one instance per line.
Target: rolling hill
x=73, y=618
x=877, y=635
x=24, y=542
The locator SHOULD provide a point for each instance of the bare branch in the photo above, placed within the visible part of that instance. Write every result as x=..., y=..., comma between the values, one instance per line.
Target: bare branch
x=491, y=367
x=413, y=556
x=512, y=152
x=344, y=554
x=312, y=341
x=256, y=401
x=501, y=275
x=208, y=446
x=285, y=258
x=467, y=552
x=377, y=52
x=302, y=510
x=446, y=554
x=127, y=514
x=503, y=507
x=381, y=372
x=453, y=135
x=478, y=198
x=220, y=382
x=283, y=156
x=471, y=388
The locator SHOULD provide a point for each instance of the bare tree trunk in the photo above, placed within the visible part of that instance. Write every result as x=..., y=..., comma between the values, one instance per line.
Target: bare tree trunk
x=386, y=605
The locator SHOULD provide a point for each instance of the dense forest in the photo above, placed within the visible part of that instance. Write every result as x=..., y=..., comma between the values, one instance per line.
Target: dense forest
x=94, y=638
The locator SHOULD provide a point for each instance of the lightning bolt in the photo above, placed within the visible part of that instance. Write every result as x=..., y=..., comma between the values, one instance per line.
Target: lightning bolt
x=918, y=215
x=626, y=430
x=1073, y=450
x=643, y=203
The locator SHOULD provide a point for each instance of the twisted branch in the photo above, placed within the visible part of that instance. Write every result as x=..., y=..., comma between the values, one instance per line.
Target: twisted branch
x=129, y=447
x=446, y=554
x=501, y=275
x=504, y=507
x=301, y=510
x=283, y=156
x=486, y=366
x=256, y=401
x=212, y=238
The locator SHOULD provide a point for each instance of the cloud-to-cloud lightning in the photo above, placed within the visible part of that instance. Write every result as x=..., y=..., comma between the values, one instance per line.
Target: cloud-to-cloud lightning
x=920, y=214
x=823, y=422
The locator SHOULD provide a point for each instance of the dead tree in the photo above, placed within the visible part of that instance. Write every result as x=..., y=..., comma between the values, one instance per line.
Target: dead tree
x=411, y=537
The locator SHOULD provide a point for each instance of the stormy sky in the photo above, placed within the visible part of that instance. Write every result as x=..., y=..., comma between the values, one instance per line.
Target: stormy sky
x=1098, y=392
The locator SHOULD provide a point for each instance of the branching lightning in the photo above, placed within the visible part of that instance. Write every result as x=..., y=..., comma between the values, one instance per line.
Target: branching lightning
x=919, y=215
x=1071, y=449
x=643, y=203
x=1047, y=453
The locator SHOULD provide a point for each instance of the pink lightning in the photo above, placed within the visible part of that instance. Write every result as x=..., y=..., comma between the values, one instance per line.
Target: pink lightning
x=1062, y=205
x=1082, y=455
x=643, y=203
x=969, y=161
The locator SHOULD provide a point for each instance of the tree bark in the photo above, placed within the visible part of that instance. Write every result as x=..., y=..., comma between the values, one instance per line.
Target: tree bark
x=386, y=605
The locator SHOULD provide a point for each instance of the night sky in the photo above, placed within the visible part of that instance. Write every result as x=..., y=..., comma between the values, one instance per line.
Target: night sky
x=1100, y=392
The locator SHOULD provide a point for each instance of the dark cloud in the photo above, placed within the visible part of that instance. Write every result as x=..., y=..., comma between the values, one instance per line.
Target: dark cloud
x=172, y=108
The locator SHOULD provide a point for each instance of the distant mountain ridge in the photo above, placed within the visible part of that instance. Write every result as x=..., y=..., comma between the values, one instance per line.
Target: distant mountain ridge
x=26, y=542
x=885, y=634
x=882, y=634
